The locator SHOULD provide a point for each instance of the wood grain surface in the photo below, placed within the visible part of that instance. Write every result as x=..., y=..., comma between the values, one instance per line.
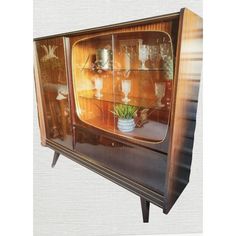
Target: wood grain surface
x=183, y=119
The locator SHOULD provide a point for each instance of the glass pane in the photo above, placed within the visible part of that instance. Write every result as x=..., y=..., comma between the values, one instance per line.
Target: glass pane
x=93, y=84
x=123, y=83
x=54, y=88
x=142, y=84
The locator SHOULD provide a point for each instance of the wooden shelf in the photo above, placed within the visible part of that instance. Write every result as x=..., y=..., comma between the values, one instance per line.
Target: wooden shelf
x=134, y=101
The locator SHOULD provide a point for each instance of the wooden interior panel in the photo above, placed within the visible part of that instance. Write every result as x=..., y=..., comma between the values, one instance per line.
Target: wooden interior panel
x=183, y=119
x=164, y=26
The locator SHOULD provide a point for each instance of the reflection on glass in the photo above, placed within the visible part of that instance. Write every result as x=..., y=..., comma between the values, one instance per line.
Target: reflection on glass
x=62, y=92
x=160, y=89
x=98, y=87
x=126, y=87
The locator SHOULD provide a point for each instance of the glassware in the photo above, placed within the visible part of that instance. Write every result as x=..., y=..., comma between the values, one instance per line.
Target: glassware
x=160, y=89
x=143, y=55
x=127, y=60
x=165, y=49
x=104, y=58
x=98, y=87
x=153, y=55
x=126, y=88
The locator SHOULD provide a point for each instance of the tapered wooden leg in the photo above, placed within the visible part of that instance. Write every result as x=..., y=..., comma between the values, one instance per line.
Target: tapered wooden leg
x=55, y=158
x=145, y=209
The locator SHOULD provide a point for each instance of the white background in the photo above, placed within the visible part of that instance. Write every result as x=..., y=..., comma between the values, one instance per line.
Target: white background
x=59, y=16
x=16, y=122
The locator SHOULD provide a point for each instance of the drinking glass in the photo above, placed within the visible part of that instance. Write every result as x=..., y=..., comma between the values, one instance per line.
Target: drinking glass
x=98, y=87
x=160, y=89
x=126, y=88
x=165, y=49
x=104, y=58
x=127, y=60
x=153, y=54
x=143, y=55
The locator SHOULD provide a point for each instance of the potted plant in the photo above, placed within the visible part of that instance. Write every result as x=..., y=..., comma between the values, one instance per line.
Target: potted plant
x=126, y=115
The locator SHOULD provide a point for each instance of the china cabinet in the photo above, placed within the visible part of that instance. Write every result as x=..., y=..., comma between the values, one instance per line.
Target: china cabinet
x=122, y=101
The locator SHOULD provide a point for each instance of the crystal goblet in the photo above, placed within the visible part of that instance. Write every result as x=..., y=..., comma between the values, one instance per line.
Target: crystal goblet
x=153, y=55
x=126, y=88
x=143, y=55
x=98, y=87
x=160, y=89
x=165, y=49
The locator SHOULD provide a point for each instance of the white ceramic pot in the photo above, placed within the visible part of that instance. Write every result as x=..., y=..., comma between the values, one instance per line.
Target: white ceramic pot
x=126, y=125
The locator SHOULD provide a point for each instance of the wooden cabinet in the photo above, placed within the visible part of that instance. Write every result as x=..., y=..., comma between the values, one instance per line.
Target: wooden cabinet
x=122, y=101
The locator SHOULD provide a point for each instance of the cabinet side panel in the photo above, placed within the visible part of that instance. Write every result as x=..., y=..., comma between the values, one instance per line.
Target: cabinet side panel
x=39, y=98
x=183, y=117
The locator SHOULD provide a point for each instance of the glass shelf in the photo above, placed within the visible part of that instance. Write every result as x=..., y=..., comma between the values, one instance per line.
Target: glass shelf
x=134, y=101
x=123, y=69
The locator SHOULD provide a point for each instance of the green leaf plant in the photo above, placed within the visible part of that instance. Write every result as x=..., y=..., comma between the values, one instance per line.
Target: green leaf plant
x=125, y=111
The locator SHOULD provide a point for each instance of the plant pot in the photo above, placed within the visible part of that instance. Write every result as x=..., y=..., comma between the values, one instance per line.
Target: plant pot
x=126, y=125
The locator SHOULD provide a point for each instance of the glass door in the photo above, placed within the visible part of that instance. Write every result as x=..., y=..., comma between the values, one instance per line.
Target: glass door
x=93, y=81
x=53, y=81
x=123, y=83
x=143, y=83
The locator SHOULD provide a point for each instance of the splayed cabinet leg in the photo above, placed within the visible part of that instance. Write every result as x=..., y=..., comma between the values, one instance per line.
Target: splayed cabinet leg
x=145, y=209
x=55, y=158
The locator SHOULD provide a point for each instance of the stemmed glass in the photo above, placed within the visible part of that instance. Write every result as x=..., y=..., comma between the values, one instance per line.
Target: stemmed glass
x=153, y=55
x=98, y=87
x=126, y=88
x=160, y=89
x=165, y=49
x=143, y=55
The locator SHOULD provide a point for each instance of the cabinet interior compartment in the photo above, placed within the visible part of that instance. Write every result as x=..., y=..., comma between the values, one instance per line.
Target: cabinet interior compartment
x=121, y=70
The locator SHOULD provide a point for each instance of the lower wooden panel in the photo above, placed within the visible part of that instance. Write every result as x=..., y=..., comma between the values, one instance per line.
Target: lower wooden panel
x=134, y=187
x=138, y=164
